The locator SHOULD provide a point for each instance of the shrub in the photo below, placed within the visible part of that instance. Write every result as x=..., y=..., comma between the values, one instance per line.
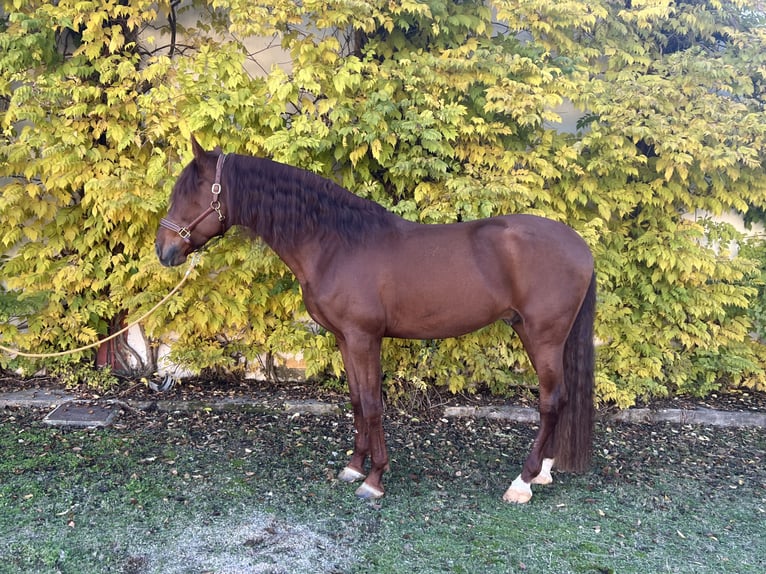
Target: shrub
x=441, y=111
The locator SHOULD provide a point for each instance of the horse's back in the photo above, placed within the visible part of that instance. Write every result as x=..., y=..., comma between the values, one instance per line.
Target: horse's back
x=436, y=281
x=505, y=249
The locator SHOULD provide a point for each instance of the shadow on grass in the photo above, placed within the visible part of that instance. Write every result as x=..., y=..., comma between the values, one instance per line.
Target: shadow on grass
x=236, y=492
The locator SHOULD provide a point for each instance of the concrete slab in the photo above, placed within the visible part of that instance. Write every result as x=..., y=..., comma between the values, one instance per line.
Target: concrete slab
x=35, y=398
x=517, y=414
x=311, y=407
x=81, y=414
x=699, y=416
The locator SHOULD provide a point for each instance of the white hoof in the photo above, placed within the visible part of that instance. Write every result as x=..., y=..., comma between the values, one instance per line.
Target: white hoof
x=545, y=476
x=367, y=492
x=519, y=492
x=350, y=475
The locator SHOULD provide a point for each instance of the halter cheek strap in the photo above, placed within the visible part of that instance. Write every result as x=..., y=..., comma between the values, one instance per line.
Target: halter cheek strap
x=215, y=207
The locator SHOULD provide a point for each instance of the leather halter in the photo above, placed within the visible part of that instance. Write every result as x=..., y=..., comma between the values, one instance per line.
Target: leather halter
x=215, y=207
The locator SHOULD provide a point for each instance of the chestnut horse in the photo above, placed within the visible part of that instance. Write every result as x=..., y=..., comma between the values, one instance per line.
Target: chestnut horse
x=366, y=274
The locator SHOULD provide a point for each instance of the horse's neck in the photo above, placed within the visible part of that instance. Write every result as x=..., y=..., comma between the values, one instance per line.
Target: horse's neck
x=297, y=235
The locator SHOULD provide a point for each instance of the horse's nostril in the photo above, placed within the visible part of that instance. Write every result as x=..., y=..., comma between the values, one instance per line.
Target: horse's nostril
x=161, y=255
x=170, y=255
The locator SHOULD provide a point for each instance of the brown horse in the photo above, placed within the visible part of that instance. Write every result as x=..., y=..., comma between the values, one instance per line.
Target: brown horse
x=367, y=274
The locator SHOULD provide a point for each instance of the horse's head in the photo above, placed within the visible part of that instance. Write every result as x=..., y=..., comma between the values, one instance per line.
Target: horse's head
x=196, y=214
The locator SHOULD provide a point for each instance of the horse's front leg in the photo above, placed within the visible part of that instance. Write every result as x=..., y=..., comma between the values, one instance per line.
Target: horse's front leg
x=361, y=356
x=354, y=470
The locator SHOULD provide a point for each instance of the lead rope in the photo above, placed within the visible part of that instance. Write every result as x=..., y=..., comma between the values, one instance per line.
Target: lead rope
x=193, y=261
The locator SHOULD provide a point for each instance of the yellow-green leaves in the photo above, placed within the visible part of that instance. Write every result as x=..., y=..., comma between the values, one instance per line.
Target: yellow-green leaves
x=442, y=111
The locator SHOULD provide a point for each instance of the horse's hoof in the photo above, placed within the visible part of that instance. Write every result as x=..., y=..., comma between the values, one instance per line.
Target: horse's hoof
x=517, y=497
x=519, y=492
x=542, y=479
x=348, y=474
x=367, y=492
x=545, y=476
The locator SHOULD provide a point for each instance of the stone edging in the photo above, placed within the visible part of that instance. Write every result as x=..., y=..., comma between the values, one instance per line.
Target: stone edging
x=698, y=416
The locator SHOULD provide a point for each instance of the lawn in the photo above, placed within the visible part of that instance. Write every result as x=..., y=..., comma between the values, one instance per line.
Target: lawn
x=212, y=492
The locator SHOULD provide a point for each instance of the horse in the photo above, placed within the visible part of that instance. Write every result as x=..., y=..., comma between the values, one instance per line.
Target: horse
x=366, y=273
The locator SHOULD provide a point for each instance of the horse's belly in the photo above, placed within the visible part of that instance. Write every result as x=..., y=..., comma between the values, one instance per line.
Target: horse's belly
x=430, y=330
x=439, y=314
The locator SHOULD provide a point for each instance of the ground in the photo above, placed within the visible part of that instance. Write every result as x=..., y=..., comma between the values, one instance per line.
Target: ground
x=255, y=491
x=424, y=409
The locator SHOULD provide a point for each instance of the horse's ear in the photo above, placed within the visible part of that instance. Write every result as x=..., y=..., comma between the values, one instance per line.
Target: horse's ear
x=199, y=153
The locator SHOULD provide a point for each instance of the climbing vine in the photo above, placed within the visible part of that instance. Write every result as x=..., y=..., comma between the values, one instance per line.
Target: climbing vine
x=441, y=111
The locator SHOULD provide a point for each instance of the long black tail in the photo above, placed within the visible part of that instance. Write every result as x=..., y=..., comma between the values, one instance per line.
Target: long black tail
x=574, y=429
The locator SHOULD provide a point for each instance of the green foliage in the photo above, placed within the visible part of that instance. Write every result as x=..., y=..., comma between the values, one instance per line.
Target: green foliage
x=441, y=111
x=756, y=250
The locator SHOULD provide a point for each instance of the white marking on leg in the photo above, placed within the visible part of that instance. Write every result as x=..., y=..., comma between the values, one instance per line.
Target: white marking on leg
x=545, y=476
x=350, y=475
x=519, y=491
x=367, y=492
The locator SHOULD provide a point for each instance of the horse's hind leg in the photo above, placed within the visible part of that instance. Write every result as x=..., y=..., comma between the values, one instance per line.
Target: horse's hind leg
x=537, y=467
x=549, y=364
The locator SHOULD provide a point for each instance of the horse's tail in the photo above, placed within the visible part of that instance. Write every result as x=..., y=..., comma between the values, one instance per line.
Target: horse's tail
x=574, y=428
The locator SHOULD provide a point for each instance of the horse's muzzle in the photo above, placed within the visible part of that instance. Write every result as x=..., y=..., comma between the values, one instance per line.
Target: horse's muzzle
x=170, y=255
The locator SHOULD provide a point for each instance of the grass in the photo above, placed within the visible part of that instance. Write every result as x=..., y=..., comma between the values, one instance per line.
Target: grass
x=232, y=492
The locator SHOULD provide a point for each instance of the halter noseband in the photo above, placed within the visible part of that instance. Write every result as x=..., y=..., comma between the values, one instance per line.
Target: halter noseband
x=215, y=207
